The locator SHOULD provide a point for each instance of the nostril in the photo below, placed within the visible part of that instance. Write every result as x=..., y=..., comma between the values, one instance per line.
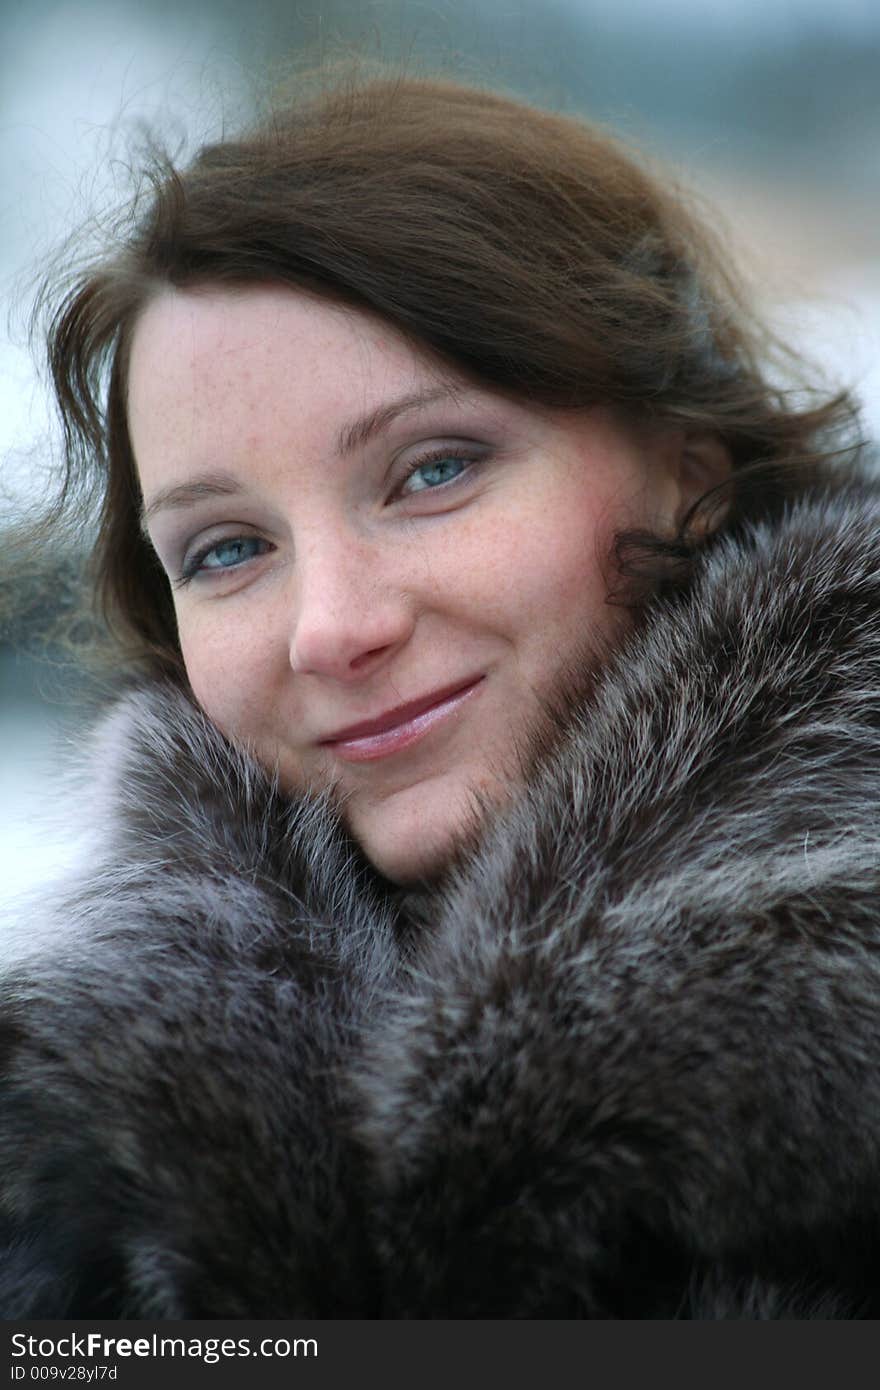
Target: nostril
x=359, y=662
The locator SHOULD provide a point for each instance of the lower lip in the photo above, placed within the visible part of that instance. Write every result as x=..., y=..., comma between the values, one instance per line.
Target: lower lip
x=364, y=750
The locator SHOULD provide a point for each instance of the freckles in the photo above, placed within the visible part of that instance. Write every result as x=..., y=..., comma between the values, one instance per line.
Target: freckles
x=214, y=668
x=550, y=566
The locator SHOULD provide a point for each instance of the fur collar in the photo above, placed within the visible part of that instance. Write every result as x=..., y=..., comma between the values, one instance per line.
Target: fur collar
x=623, y=1063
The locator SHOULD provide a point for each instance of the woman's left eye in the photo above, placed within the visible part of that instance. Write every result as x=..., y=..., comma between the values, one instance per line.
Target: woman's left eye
x=427, y=475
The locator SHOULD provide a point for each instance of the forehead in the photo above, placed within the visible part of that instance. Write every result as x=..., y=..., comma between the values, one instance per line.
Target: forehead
x=261, y=346
x=271, y=384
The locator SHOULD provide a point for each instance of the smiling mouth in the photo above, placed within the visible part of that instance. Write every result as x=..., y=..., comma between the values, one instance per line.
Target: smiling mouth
x=364, y=747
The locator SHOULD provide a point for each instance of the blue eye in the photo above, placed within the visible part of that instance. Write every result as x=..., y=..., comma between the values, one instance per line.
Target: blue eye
x=434, y=472
x=222, y=555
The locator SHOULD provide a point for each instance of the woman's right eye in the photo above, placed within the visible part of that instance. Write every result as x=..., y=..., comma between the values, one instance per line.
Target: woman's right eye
x=221, y=556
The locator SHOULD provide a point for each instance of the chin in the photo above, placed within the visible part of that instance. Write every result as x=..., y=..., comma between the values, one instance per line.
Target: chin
x=409, y=862
x=414, y=847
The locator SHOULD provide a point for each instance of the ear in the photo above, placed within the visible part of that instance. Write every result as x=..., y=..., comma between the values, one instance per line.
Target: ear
x=703, y=462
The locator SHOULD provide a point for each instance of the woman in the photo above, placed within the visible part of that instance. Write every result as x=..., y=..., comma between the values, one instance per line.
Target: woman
x=482, y=917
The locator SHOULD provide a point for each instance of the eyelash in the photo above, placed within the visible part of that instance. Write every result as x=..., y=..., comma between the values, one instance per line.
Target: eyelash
x=192, y=568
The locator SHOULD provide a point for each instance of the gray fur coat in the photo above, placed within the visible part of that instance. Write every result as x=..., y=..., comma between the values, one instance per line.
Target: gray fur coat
x=625, y=1064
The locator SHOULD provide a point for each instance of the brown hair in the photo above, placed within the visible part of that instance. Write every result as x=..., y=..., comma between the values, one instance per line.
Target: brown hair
x=527, y=249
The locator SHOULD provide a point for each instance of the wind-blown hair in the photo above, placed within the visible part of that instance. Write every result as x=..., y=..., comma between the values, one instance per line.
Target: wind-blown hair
x=525, y=249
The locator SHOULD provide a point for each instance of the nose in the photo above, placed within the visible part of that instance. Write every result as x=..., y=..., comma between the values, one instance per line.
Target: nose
x=350, y=612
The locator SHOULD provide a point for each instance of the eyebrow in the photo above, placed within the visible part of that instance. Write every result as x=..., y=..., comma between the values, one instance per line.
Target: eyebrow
x=352, y=436
x=360, y=432
x=188, y=493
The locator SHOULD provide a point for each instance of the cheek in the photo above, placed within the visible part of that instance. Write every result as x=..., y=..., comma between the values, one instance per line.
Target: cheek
x=228, y=670
x=548, y=570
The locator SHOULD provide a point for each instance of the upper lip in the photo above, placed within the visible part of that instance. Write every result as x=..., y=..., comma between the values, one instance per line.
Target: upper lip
x=400, y=714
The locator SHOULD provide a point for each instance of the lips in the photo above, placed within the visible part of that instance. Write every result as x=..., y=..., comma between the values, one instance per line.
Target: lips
x=402, y=726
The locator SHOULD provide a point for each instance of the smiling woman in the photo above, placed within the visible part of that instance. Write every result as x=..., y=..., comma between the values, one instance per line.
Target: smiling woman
x=418, y=591
x=482, y=914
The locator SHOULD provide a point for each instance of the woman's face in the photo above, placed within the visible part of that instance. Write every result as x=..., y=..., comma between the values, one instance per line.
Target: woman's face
x=380, y=572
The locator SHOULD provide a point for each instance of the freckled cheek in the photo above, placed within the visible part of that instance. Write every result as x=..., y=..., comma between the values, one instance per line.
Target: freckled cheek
x=228, y=672
x=551, y=573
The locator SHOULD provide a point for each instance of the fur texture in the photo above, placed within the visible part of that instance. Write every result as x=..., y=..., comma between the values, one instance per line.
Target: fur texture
x=625, y=1064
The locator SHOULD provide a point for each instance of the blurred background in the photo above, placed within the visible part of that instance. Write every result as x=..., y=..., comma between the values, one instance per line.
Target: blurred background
x=770, y=109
